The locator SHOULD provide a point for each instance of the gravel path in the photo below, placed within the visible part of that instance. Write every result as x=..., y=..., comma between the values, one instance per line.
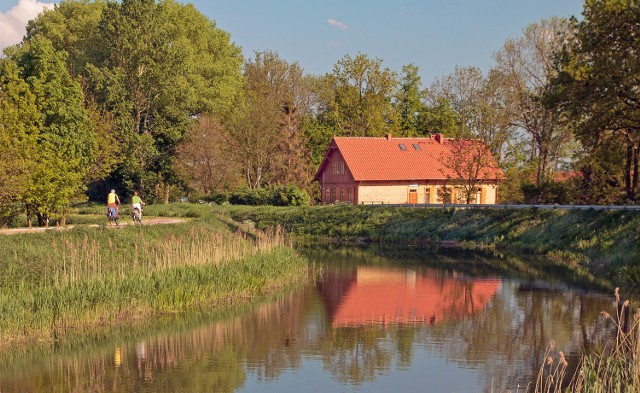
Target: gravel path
x=146, y=221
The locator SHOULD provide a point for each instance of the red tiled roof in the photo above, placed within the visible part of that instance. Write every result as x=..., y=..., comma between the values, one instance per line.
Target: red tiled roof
x=382, y=159
x=563, y=176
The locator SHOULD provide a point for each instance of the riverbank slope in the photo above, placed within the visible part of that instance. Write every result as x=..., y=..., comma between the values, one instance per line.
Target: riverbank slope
x=603, y=241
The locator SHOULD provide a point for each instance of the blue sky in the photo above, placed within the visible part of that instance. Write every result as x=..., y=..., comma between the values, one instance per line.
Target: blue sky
x=435, y=35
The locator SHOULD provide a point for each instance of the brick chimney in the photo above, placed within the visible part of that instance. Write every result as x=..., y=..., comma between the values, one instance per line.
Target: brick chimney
x=388, y=136
x=439, y=138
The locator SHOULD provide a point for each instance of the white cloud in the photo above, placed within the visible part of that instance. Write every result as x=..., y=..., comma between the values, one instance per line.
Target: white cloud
x=13, y=23
x=337, y=23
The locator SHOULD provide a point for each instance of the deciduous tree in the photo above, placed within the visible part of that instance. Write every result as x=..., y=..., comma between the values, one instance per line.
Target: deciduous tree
x=362, y=97
x=471, y=162
x=65, y=143
x=203, y=157
x=439, y=117
x=160, y=65
x=71, y=26
x=267, y=129
x=19, y=126
x=526, y=65
x=597, y=87
x=462, y=90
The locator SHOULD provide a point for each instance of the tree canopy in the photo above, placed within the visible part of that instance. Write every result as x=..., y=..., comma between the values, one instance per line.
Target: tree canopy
x=61, y=139
x=152, y=96
x=597, y=87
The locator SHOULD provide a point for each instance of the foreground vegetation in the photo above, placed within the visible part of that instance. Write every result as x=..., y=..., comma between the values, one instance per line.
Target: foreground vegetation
x=55, y=282
x=614, y=368
x=602, y=241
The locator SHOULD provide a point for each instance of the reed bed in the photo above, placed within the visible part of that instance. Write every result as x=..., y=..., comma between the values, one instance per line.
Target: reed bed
x=80, y=259
x=613, y=368
x=52, y=283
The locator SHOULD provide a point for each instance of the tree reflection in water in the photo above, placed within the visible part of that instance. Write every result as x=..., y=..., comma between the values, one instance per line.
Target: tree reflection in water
x=371, y=313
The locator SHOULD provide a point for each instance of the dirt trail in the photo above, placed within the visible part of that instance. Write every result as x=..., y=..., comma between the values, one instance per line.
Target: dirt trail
x=147, y=221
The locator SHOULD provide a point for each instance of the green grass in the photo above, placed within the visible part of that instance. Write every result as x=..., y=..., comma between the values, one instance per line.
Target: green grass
x=55, y=282
x=605, y=241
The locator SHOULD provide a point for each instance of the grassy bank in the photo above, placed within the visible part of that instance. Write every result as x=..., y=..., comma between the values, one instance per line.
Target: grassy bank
x=601, y=240
x=55, y=282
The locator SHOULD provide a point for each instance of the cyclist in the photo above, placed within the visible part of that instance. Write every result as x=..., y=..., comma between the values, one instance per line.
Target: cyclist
x=113, y=201
x=136, y=204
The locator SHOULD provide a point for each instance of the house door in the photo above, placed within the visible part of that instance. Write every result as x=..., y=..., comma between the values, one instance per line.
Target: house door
x=413, y=196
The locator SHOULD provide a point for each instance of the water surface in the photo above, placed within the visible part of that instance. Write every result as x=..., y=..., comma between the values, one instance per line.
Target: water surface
x=376, y=321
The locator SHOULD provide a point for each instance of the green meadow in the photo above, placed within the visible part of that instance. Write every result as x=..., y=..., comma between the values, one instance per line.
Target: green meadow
x=56, y=282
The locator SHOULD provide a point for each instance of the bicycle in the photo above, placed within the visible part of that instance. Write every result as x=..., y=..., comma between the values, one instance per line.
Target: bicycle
x=113, y=216
x=136, y=215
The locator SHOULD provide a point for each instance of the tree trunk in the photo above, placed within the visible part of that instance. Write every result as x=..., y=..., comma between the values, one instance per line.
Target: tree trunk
x=43, y=219
x=29, y=216
x=542, y=163
x=470, y=194
x=167, y=192
x=627, y=172
x=63, y=218
x=634, y=179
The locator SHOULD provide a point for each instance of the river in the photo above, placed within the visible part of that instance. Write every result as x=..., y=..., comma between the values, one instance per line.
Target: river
x=374, y=321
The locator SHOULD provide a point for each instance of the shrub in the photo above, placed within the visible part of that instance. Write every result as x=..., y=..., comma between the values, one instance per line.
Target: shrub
x=216, y=197
x=246, y=196
x=9, y=215
x=290, y=195
x=285, y=195
x=550, y=192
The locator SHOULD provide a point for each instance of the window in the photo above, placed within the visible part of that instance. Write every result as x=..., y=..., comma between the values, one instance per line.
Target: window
x=416, y=146
x=427, y=195
x=338, y=168
x=342, y=194
x=402, y=146
x=327, y=195
x=351, y=194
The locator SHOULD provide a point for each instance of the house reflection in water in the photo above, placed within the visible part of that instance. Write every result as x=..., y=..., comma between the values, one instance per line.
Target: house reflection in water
x=397, y=296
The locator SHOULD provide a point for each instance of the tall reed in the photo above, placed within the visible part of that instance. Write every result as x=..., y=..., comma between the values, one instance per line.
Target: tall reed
x=613, y=368
x=552, y=372
x=79, y=259
x=87, y=279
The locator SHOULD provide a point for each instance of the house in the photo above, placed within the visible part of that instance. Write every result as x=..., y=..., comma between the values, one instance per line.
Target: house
x=387, y=170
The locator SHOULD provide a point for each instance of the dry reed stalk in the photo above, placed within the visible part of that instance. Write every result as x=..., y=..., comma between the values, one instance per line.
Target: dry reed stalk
x=615, y=368
x=85, y=259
